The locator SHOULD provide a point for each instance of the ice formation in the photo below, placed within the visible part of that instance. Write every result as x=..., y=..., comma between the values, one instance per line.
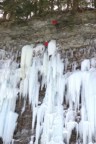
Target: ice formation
x=9, y=78
x=85, y=65
x=93, y=62
x=69, y=101
x=26, y=59
x=39, y=49
x=52, y=47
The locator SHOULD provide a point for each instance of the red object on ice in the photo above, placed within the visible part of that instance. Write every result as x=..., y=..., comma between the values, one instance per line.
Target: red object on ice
x=54, y=22
x=46, y=43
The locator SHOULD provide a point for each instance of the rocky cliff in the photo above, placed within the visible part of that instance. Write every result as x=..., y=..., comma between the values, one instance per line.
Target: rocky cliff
x=76, y=36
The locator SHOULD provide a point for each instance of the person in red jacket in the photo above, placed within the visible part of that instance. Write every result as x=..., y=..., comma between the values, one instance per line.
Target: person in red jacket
x=55, y=23
x=46, y=44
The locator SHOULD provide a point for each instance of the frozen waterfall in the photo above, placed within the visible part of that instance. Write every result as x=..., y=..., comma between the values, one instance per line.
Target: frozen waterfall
x=9, y=78
x=69, y=101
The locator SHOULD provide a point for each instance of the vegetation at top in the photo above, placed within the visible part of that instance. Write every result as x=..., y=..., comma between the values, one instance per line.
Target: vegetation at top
x=26, y=9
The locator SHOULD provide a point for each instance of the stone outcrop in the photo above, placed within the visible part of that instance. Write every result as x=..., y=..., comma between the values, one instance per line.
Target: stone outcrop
x=75, y=43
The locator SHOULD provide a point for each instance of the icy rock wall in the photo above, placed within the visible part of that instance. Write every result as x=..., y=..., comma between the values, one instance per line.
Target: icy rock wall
x=68, y=104
x=57, y=116
x=9, y=78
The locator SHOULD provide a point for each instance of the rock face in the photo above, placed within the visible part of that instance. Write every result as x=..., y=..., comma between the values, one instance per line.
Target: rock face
x=75, y=44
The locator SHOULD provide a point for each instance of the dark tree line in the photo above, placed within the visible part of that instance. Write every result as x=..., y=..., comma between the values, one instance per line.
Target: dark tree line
x=24, y=9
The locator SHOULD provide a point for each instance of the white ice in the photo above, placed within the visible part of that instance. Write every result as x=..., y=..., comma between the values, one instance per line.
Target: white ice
x=67, y=96
x=52, y=47
x=8, y=94
x=85, y=65
x=26, y=59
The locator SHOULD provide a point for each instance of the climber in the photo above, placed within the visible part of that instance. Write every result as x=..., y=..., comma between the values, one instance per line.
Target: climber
x=55, y=23
x=46, y=44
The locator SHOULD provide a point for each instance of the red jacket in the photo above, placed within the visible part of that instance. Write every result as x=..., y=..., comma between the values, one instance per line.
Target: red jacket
x=46, y=44
x=54, y=22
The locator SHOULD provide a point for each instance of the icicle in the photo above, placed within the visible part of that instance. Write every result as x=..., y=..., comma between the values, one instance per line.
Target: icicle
x=34, y=114
x=85, y=65
x=8, y=95
x=23, y=108
x=74, y=87
x=12, y=141
x=33, y=85
x=32, y=140
x=93, y=62
x=52, y=48
x=61, y=88
x=45, y=64
x=40, y=117
x=26, y=59
x=10, y=125
x=70, y=126
x=25, y=87
x=70, y=116
x=3, y=113
x=66, y=63
x=84, y=129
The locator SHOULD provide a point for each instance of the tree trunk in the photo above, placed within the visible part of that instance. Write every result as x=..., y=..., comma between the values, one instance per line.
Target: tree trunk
x=94, y=3
x=40, y=7
x=52, y=5
x=35, y=8
x=59, y=5
x=68, y=4
x=75, y=6
x=4, y=15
